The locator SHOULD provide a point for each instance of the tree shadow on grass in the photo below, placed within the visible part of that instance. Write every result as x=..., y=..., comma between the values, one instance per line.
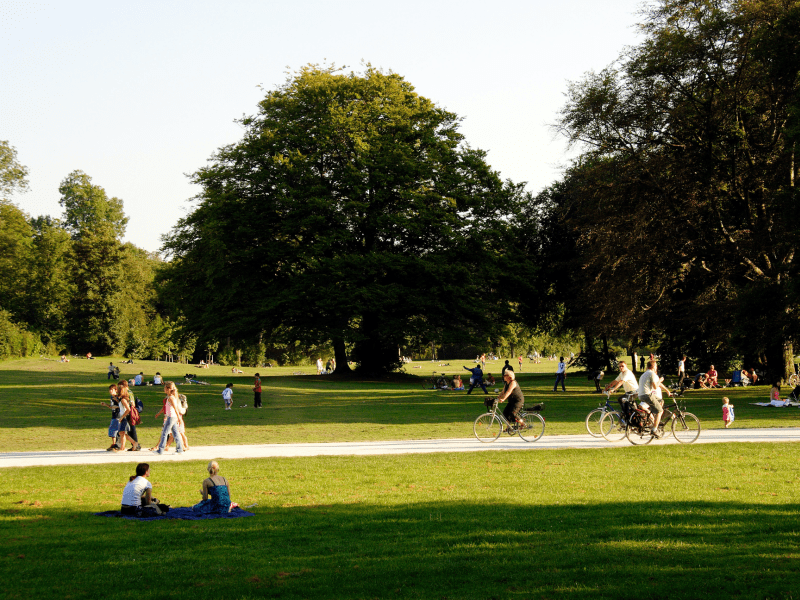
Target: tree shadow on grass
x=427, y=550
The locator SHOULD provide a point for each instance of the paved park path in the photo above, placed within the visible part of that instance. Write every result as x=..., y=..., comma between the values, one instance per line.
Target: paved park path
x=548, y=442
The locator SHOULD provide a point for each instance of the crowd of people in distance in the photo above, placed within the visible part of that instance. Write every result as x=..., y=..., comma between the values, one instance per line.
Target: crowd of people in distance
x=138, y=499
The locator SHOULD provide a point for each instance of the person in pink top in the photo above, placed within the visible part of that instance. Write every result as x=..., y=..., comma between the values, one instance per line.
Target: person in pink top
x=172, y=419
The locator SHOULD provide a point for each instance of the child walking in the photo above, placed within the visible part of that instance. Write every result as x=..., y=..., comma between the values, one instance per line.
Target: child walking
x=727, y=412
x=227, y=395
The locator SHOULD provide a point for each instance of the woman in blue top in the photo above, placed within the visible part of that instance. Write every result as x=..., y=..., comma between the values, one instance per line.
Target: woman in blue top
x=216, y=493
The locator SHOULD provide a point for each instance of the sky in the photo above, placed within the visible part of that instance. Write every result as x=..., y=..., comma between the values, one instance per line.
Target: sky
x=138, y=95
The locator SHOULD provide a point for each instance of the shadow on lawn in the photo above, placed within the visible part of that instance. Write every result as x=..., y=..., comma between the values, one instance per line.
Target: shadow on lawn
x=430, y=550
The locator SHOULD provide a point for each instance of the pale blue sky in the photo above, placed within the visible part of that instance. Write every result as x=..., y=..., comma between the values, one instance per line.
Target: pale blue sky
x=137, y=94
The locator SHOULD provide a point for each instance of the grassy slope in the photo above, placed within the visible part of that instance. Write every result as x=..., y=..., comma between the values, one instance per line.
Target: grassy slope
x=46, y=405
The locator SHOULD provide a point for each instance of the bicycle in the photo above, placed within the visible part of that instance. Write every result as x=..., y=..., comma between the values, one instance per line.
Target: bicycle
x=488, y=426
x=794, y=378
x=638, y=424
x=614, y=424
x=595, y=416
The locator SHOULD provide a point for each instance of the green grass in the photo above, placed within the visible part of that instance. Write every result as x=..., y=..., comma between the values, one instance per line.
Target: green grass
x=624, y=522
x=672, y=522
x=46, y=405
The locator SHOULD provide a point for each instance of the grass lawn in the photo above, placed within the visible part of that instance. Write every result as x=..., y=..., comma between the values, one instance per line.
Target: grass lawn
x=717, y=521
x=46, y=405
x=712, y=521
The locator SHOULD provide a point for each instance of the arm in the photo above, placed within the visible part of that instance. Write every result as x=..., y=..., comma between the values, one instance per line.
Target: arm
x=147, y=497
x=161, y=412
x=126, y=407
x=502, y=397
x=204, y=491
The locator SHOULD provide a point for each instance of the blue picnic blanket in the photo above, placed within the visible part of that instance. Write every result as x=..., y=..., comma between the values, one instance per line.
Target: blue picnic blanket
x=182, y=512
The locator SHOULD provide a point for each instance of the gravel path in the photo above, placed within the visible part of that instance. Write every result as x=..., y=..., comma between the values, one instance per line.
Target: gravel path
x=470, y=444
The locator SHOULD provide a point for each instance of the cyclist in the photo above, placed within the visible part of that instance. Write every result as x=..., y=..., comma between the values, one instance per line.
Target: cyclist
x=512, y=393
x=649, y=386
x=626, y=379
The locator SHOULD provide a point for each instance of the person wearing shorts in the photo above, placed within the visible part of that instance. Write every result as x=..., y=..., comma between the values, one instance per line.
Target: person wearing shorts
x=649, y=384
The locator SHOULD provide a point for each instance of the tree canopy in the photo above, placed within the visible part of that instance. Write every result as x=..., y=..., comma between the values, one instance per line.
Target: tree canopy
x=352, y=211
x=682, y=206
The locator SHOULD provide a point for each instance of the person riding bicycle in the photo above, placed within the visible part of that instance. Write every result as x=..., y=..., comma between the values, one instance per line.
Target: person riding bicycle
x=476, y=379
x=626, y=379
x=512, y=393
x=649, y=384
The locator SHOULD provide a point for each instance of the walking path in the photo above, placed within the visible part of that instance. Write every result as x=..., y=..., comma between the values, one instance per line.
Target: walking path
x=548, y=442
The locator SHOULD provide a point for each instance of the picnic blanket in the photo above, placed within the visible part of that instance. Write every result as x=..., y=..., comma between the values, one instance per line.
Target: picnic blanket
x=776, y=403
x=182, y=512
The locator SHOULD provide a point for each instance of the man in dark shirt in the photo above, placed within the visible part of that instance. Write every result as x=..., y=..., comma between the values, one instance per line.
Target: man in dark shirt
x=476, y=379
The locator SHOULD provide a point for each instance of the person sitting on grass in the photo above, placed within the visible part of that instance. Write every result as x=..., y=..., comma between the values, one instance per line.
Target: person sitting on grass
x=157, y=380
x=216, y=493
x=490, y=379
x=458, y=385
x=64, y=358
x=711, y=377
x=137, y=498
x=700, y=381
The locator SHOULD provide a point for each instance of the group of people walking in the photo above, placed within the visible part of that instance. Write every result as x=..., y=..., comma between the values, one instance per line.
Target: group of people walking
x=125, y=416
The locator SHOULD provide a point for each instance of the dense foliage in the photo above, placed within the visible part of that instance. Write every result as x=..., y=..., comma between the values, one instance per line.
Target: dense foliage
x=351, y=211
x=679, y=216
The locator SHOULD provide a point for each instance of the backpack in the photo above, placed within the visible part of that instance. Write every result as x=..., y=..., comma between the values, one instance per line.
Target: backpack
x=134, y=411
x=183, y=404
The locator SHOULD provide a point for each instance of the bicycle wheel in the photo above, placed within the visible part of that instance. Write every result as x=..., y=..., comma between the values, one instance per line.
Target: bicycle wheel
x=638, y=436
x=612, y=427
x=487, y=427
x=794, y=379
x=534, y=427
x=593, y=421
x=686, y=429
x=428, y=385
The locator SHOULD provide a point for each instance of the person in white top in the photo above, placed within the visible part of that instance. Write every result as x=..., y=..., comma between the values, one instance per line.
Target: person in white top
x=681, y=368
x=626, y=379
x=561, y=375
x=137, y=498
x=649, y=386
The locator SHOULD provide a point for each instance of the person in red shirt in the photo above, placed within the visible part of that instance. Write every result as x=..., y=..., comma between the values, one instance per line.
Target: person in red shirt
x=257, y=392
x=712, y=377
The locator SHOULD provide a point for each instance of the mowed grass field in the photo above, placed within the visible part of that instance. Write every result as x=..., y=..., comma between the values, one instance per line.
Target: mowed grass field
x=47, y=405
x=715, y=521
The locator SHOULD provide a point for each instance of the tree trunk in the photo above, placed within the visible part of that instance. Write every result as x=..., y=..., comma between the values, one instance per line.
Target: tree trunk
x=780, y=362
x=340, y=354
x=606, y=357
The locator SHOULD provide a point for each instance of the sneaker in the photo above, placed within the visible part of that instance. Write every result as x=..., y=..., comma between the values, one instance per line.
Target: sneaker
x=112, y=448
x=158, y=452
x=179, y=451
x=656, y=434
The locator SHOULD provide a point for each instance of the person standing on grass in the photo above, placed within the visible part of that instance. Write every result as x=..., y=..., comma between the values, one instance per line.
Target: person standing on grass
x=319, y=366
x=682, y=369
x=519, y=360
x=483, y=361
x=172, y=420
x=227, y=395
x=506, y=367
x=649, y=384
x=257, y=392
x=112, y=371
x=561, y=375
x=475, y=380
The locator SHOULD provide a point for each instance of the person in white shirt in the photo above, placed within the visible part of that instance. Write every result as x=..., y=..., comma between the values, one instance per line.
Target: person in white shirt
x=626, y=379
x=649, y=386
x=137, y=498
x=561, y=375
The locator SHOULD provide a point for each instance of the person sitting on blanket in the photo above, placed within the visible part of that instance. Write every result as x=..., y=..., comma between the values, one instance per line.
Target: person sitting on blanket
x=216, y=493
x=137, y=499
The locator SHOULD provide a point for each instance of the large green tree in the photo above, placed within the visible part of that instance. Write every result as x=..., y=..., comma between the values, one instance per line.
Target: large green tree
x=682, y=206
x=351, y=211
x=96, y=223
